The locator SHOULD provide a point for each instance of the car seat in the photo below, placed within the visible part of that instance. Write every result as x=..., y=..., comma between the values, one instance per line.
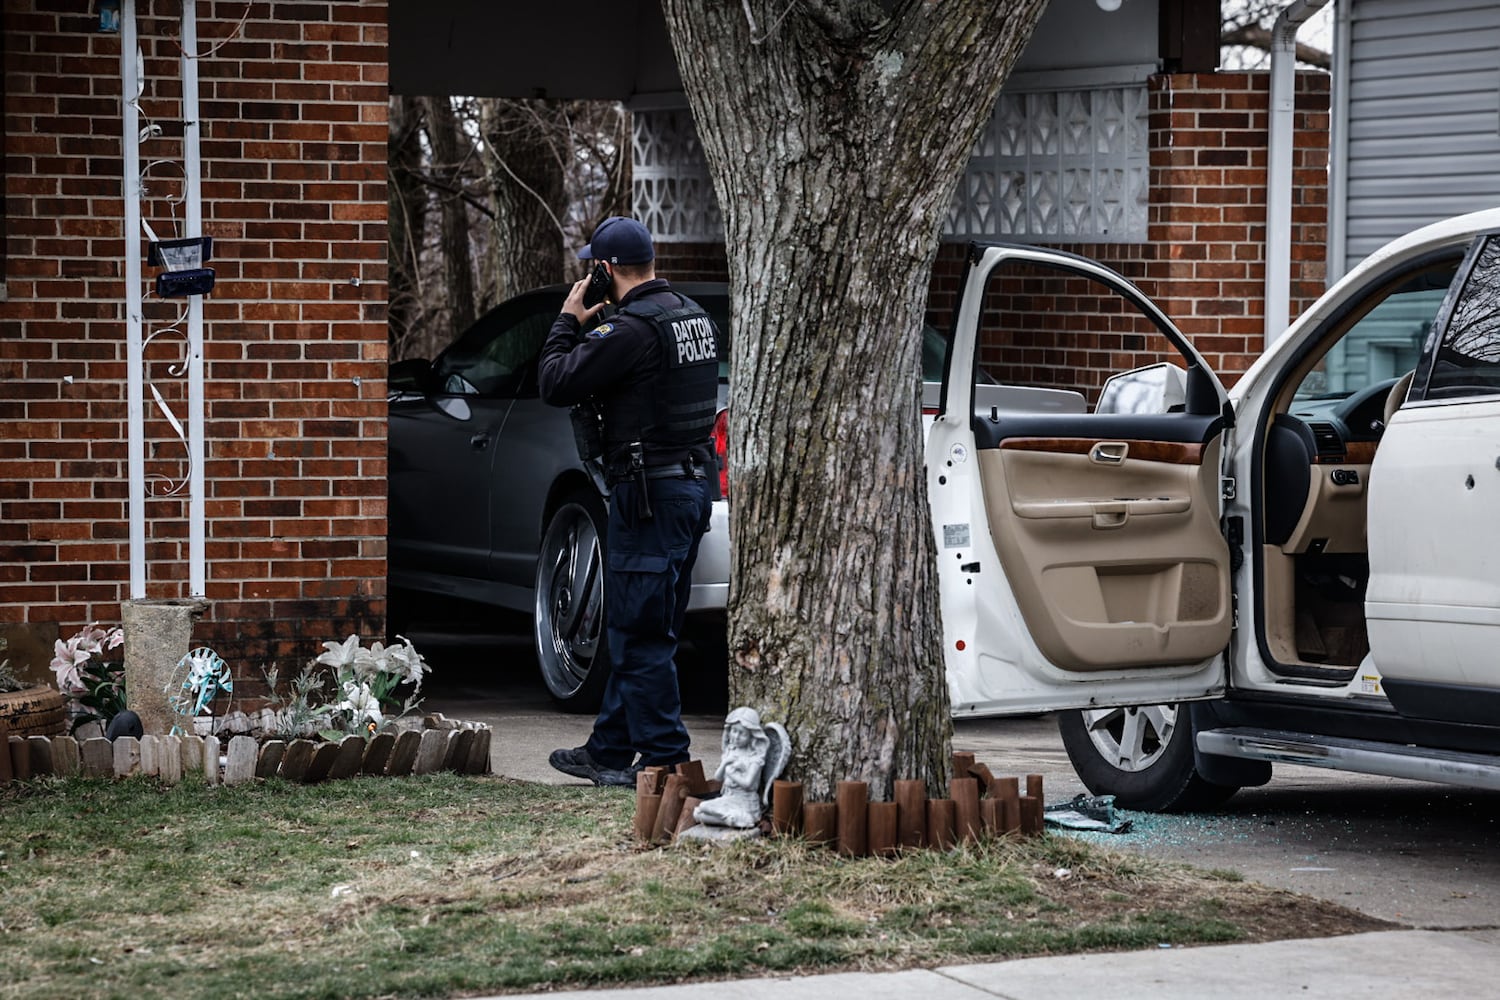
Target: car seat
x=1397, y=395
x=1290, y=450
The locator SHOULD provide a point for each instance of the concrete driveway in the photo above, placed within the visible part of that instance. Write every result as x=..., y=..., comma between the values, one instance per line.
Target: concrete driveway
x=1417, y=854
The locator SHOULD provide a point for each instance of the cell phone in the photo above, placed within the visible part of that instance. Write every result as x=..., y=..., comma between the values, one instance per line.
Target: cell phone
x=598, y=287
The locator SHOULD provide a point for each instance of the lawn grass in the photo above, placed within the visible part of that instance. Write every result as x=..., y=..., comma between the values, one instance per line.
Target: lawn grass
x=446, y=885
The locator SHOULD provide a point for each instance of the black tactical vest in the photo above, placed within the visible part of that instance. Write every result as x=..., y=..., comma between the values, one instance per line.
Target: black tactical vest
x=672, y=414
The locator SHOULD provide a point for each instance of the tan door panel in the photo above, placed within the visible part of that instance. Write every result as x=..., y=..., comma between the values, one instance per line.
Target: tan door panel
x=1112, y=548
x=1334, y=514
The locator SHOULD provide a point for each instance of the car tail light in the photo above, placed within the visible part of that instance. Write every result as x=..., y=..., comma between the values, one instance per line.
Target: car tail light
x=721, y=450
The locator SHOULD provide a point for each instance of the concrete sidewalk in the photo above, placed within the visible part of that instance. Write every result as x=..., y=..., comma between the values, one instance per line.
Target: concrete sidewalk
x=1433, y=965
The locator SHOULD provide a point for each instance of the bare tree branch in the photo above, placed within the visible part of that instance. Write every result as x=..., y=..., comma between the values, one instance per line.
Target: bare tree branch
x=448, y=188
x=1257, y=37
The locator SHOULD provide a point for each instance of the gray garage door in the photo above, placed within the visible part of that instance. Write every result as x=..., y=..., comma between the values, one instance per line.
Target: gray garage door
x=1424, y=116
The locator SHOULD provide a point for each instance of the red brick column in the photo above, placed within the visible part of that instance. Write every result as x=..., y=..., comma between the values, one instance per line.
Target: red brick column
x=293, y=109
x=1208, y=206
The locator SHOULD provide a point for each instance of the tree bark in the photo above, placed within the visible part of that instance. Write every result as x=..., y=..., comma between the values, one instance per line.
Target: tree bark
x=526, y=168
x=408, y=220
x=452, y=156
x=836, y=133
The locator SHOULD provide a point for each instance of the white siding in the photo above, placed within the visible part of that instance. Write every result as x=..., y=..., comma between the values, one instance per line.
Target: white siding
x=1424, y=116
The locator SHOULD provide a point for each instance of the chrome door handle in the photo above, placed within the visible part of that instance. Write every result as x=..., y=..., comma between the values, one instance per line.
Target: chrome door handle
x=479, y=441
x=1109, y=452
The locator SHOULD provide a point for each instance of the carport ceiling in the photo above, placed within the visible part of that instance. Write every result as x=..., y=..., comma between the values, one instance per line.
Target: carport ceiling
x=480, y=48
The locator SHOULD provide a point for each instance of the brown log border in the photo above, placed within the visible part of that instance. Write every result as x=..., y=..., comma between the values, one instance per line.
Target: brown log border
x=983, y=807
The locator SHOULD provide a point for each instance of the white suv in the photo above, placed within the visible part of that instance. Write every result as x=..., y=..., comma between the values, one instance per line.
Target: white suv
x=1303, y=569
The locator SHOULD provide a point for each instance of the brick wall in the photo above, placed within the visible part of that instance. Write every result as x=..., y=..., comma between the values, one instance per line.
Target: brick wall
x=293, y=111
x=692, y=261
x=1204, y=259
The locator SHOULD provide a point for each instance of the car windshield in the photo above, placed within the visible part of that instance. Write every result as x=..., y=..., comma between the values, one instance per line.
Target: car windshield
x=1382, y=345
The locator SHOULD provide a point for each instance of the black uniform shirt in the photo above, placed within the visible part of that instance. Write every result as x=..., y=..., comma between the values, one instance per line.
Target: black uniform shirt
x=619, y=353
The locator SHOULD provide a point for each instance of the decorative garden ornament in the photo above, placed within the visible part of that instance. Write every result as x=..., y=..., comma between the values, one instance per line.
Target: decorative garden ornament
x=754, y=755
x=205, y=676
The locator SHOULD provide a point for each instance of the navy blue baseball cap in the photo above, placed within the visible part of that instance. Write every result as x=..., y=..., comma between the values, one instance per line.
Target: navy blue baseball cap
x=620, y=241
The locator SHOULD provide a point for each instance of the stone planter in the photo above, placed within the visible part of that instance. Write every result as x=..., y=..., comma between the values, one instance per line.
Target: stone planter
x=33, y=711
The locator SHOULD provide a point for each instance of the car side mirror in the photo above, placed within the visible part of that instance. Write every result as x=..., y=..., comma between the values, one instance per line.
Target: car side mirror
x=1159, y=388
x=411, y=375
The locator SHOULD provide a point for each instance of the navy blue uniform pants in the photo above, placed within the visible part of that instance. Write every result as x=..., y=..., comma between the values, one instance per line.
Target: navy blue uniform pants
x=646, y=585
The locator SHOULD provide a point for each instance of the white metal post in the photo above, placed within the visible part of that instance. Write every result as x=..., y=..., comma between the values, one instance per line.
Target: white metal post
x=1338, y=171
x=193, y=193
x=1279, y=141
x=134, y=347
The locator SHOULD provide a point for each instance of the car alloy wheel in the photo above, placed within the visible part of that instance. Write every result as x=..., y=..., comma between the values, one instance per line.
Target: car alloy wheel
x=1142, y=755
x=1133, y=738
x=570, y=639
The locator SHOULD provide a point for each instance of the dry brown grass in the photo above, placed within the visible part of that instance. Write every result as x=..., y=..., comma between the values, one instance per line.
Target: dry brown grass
x=447, y=886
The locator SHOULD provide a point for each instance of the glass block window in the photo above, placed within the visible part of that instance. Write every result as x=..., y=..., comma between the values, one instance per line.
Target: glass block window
x=671, y=191
x=1055, y=166
x=1050, y=166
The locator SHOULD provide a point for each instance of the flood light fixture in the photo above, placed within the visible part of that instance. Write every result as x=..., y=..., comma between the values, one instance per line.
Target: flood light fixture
x=183, y=260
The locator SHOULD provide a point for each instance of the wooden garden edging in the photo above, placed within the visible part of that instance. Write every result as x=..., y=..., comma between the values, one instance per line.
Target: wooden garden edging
x=464, y=749
x=979, y=806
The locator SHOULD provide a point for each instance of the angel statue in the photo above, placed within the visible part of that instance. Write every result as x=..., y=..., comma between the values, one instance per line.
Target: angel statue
x=754, y=755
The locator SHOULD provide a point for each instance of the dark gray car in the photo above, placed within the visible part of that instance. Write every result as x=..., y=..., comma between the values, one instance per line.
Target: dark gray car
x=490, y=503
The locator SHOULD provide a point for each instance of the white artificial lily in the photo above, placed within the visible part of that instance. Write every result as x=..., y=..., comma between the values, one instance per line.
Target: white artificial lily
x=361, y=702
x=90, y=640
x=412, y=667
x=69, y=657
x=342, y=655
x=372, y=661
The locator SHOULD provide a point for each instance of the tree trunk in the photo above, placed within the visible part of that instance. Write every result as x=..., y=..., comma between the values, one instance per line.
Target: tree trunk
x=408, y=221
x=611, y=148
x=528, y=190
x=452, y=159
x=836, y=133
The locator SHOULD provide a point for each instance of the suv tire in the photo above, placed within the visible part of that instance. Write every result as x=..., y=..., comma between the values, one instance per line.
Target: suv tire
x=1142, y=755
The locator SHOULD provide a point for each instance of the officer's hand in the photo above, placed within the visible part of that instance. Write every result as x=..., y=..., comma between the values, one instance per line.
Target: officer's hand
x=574, y=306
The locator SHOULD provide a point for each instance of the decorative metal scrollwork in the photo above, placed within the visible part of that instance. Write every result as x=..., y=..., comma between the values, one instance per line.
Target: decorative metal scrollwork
x=157, y=484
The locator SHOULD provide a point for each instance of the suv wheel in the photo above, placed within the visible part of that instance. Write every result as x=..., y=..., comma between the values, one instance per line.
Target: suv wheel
x=571, y=647
x=1142, y=755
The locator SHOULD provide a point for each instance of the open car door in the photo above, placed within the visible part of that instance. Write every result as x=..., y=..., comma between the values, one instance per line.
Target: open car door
x=1081, y=558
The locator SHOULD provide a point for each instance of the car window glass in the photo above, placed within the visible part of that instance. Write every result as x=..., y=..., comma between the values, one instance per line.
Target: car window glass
x=1382, y=345
x=935, y=357
x=496, y=356
x=934, y=354
x=1468, y=359
x=1051, y=327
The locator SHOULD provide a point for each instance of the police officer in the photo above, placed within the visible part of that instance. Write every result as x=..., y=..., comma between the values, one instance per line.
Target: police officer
x=652, y=372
